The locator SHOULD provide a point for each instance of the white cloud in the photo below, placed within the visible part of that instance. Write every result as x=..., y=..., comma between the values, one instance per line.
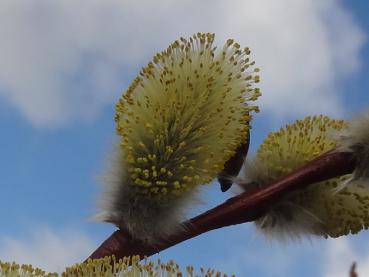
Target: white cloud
x=62, y=60
x=47, y=249
x=341, y=253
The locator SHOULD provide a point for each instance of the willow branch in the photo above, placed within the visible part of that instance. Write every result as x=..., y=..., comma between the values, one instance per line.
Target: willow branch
x=245, y=207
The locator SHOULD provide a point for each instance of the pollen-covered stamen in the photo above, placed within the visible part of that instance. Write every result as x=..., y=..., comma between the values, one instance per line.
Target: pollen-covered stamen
x=14, y=269
x=295, y=144
x=132, y=266
x=187, y=109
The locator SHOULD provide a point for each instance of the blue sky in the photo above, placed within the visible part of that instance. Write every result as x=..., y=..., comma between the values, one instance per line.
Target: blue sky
x=65, y=63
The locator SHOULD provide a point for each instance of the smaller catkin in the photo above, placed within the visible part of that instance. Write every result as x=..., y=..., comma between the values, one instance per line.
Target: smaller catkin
x=320, y=209
x=179, y=121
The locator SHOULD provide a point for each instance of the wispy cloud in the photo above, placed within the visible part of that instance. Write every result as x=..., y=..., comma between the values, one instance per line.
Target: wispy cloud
x=64, y=60
x=48, y=249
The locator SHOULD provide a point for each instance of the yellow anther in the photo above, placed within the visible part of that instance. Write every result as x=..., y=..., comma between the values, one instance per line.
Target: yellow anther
x=176, y=185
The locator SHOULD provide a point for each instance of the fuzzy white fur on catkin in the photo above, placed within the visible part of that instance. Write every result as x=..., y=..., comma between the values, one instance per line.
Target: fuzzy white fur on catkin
x=285, y=220
x=122, y=205
x=356, y=139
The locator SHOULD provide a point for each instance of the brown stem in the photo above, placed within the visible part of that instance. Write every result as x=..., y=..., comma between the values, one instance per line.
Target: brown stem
x=245, y=207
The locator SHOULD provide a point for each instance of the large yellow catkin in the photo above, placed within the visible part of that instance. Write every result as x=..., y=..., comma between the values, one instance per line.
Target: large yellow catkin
x=184, y=116
x=179, y=122
x=318, y=209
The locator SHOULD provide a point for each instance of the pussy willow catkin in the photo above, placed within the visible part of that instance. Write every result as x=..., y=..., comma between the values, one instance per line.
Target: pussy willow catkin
x=320, y=209
x=179, y=121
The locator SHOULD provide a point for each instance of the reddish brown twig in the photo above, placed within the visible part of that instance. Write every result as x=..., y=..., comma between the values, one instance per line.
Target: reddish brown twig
x=245, y=207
